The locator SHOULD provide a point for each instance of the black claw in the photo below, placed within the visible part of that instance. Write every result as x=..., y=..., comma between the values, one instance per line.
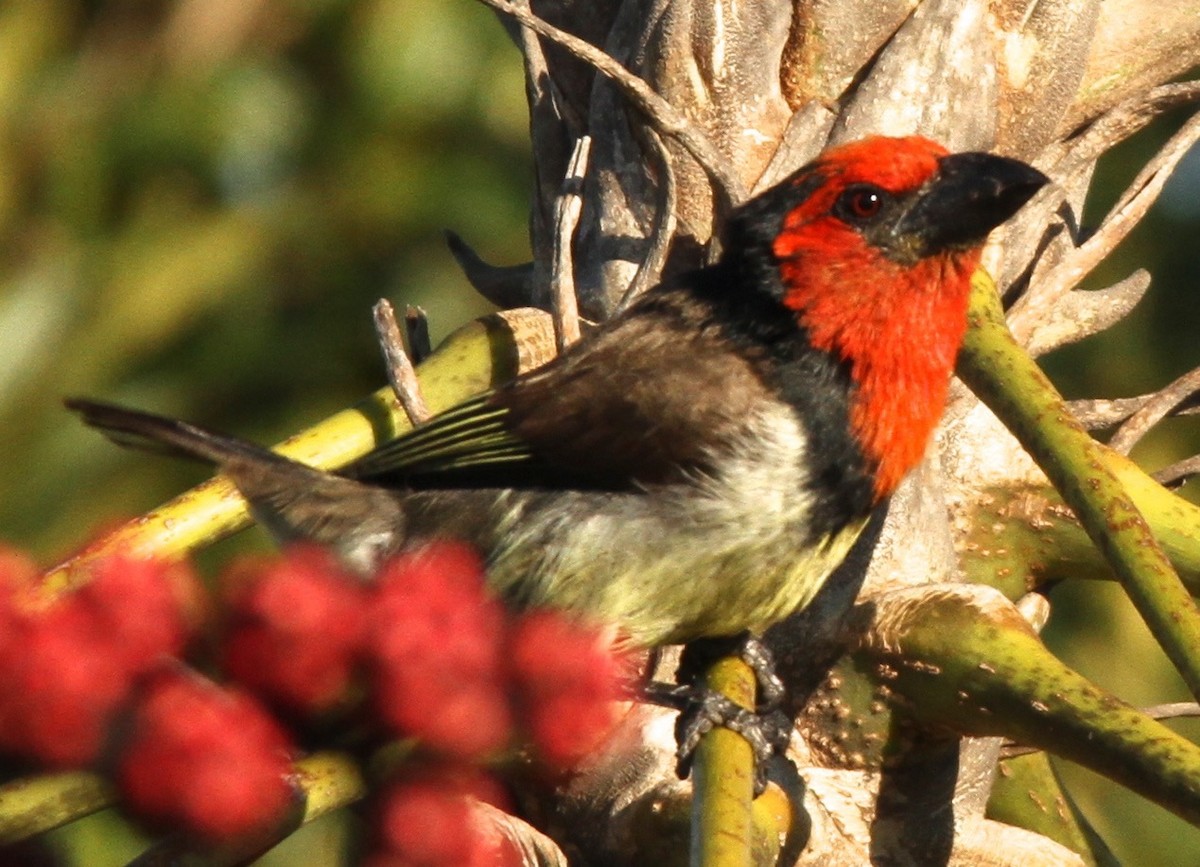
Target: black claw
x=699, y=655
x=766, y=729
x=760, y=659
x=701, y=710
x=767, y=734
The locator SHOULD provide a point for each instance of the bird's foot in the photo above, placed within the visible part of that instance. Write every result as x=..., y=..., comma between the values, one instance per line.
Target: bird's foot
x=767, y=733
x=766, y=728
x=701, y=710
x=698, y=657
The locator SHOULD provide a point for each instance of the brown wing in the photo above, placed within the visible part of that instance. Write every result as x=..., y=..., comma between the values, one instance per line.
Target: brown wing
x=641, y=401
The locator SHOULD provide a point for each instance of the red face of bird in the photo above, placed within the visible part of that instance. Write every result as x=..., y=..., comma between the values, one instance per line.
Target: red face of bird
x=875, y=247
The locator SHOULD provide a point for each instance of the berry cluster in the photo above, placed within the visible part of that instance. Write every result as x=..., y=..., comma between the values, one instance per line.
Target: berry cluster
x=432, y=818
x=67, y=667
x=100, y=678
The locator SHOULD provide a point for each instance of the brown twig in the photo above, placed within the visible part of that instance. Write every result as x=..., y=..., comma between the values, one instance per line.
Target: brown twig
x=1177, y=473
x=400, y=371
x=1079, y=314
x=1125, y=119
x=1172, y=710
x=663, y=116
x=1154, y=410
x=1100, y=413
x=1127, y=213
x=549, y=115
x=567, y=208
x=663, y=229
x=506, y=286
x=1071, y=164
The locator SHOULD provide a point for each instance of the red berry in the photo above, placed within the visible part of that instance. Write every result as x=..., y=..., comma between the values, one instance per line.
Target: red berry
x=207, y=760
x=436, y=645
x=17, y=569
x=467, y=720
x=138, y=606
x=66, y=669
x=298, y=625
x=60, y=686
x=17, y=574
x=570, y=680
x=429, y=820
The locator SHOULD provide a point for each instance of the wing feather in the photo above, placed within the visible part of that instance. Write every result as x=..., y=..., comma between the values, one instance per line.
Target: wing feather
x=470, y=435
x=647, y=400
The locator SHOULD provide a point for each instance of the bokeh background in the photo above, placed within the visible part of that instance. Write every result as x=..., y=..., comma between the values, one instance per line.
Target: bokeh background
x=201, y=199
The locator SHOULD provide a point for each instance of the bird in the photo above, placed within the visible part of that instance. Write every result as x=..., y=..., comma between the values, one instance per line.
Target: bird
x=699, y=464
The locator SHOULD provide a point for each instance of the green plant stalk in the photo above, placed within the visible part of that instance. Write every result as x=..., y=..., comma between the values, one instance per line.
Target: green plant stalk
x=329, y=781
x=478, y=356
x=1023, y=536
x=723, y=778
x=1027, y=794
x=34, y=805
x=962, y=657
x=1005, y=378
x=1174, y=520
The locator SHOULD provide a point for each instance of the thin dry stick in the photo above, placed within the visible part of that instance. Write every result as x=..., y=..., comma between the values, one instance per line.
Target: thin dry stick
x=1099, y=413
x=1127, y=213
x=1125, y=119
x=567, y=209
x=664, y=224
x=1137, y=112
x=1154, y=410
x=1079, y=315
x=506, y=286
x=400, y=371
x=1178, y=473
x=1172, y=710
x=1070, y=161
x=549, y=115
x=663, y=116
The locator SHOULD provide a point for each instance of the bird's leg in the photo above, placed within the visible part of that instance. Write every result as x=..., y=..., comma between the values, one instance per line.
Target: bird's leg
x=698, y=656
x=701, y=709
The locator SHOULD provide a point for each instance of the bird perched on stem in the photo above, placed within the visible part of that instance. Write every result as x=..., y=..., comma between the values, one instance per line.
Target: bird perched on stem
x=700, y=464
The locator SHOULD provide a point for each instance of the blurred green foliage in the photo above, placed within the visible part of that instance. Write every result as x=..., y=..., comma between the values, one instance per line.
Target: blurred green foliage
x=200, y=200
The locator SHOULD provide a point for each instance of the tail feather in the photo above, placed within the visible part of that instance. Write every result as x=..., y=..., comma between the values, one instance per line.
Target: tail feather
x=361, y=522
x=149, y=432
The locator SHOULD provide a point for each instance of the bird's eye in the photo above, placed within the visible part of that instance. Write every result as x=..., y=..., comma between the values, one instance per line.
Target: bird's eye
x=860, y=204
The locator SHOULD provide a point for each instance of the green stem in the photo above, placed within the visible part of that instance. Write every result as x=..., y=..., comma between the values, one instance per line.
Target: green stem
x=1023, y=537
x=33, y=805
x=723, y=778
x=1027, y=794
x=36, y=804
x=961, y=656
x=1005, y=378
x=329, y=780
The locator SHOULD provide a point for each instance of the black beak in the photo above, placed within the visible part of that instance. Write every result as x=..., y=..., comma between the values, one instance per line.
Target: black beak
x=971, y=194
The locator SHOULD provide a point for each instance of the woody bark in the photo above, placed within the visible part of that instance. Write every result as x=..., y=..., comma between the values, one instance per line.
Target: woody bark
x=770, y=85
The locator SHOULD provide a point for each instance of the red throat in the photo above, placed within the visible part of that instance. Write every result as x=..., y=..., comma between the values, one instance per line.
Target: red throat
x=897, y=325
x=899, y=328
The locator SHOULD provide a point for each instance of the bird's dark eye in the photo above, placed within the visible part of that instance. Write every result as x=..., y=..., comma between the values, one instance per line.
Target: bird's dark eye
x=860, y=204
